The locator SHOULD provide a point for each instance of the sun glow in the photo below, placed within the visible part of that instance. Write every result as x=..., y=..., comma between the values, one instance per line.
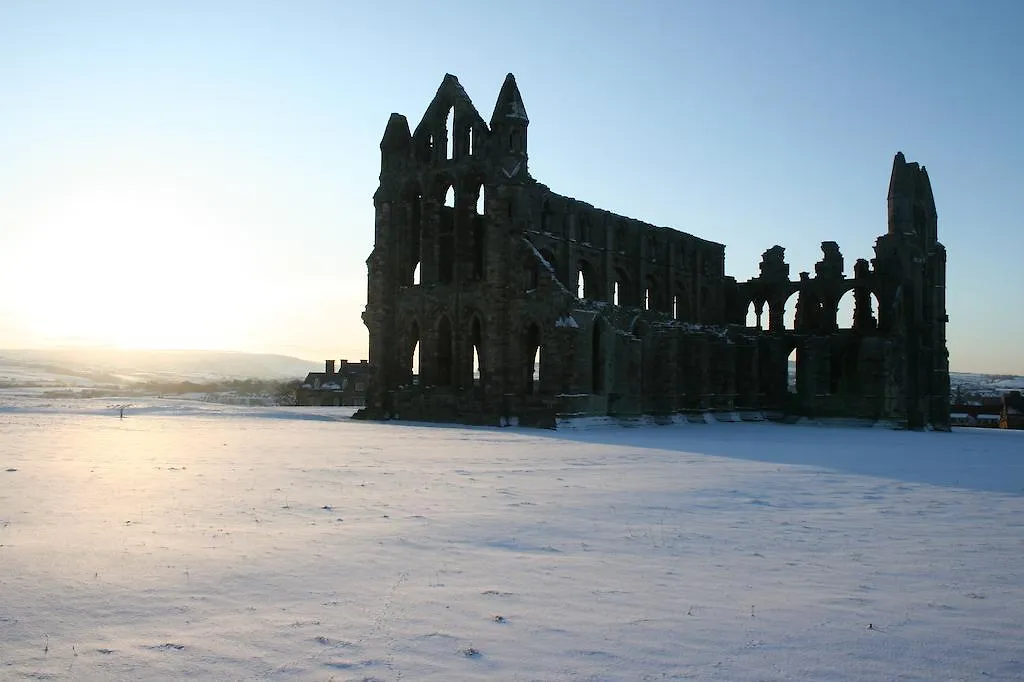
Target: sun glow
x=127, y=265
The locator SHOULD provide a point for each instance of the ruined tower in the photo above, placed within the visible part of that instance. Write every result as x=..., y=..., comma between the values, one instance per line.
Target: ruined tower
x=493, y=300
x=910, y=266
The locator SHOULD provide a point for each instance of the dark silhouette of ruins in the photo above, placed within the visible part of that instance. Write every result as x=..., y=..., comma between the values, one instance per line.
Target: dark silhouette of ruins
x=525, y=306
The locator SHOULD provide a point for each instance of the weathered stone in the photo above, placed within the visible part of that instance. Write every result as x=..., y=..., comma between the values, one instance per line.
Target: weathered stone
x=473, y=258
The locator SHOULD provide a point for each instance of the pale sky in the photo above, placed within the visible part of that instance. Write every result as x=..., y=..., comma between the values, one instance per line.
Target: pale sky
x=200, y=174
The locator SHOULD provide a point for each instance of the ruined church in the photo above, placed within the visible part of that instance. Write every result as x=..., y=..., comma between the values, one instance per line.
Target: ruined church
x=493, y=300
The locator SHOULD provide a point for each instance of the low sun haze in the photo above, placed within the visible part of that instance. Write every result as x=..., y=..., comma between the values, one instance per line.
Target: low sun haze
x=200, y=175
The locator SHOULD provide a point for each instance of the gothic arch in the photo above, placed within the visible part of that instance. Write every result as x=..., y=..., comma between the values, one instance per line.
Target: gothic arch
x=533, y=357
x=412, y=238
x=446, y=227
x=475, y=349
x=413, y=357
x=622, y=293
x=652, y=297
x=787, y=308
x=586, y=281
x=680, y=301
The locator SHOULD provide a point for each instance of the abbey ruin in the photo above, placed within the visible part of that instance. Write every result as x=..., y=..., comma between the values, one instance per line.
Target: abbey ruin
x=493, y=300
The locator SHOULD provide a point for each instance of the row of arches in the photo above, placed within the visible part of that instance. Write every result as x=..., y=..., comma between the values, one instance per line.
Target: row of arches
x=569, y=219
x=450, y=239
x=674, y=301
x=845, y=316
x=462, y=363
x=459, y=137
x=443, y=356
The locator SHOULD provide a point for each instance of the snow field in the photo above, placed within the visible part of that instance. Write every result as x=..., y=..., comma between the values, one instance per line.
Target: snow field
x=210, y=542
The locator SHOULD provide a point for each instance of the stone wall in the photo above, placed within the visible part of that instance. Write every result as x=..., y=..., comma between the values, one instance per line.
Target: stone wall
x=523, y=304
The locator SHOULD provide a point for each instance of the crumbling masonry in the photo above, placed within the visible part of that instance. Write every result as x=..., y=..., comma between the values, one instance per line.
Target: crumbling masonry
x=519, y=305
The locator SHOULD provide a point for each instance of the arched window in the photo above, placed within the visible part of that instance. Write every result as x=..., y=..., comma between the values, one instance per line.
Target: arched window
x=680, y=302
x=413, y=365
x=449, y=133
x=792, y=367
x=586, y=282
x=651, y=294
x=476, y=340
x=532, y=353
x=446, y=239
x=621, y=294
x=753, y=319
x=415, y=209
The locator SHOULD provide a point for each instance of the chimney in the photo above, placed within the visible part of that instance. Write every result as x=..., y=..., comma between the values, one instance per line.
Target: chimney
x=343, y=363
x=329, y=368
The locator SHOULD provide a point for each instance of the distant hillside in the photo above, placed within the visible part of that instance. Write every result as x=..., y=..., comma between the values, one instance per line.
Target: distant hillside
x=970, y=385
x=985, y=385
x=87, y=366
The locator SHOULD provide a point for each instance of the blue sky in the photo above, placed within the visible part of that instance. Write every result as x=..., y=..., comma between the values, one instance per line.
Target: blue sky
x=199, y=174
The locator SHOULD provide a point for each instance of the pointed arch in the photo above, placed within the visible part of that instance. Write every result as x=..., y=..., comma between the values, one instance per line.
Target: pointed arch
x=515, y=140
x=476, y=344
x=446, y=237
x=792, y=367
x=680, y=301
x=412, y=363
x=789, y=310
x=844, y=311
x=414, y=236
x=472, y=246
x=651, y=301
x=534, y=358
x=449, y=133
x=621, y=293
x=586, y=281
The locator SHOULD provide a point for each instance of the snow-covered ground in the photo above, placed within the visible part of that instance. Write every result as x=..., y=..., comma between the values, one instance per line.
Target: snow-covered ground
x=215, y=542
